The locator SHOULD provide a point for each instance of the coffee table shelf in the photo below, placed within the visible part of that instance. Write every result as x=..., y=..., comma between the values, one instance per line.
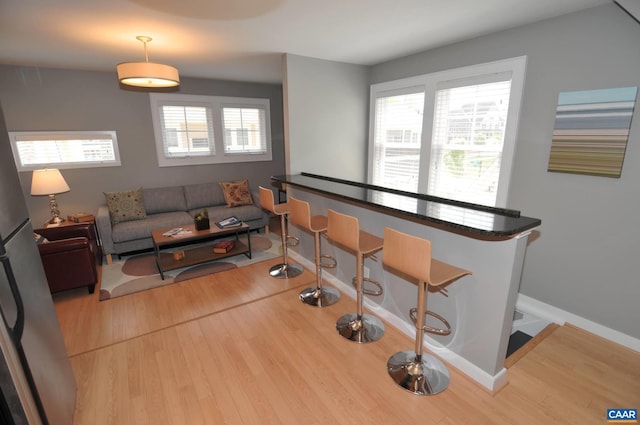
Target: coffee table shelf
x=198, y=254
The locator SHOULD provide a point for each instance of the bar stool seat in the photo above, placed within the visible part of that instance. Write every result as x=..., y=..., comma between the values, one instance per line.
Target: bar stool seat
x=300, y=215
x=345, y=231
x=419, y=373
x=283, y=270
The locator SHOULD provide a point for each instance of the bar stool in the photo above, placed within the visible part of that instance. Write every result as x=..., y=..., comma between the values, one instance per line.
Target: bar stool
x=283, y=270
x=419, y=373
x=344, y=230
x=300, y=214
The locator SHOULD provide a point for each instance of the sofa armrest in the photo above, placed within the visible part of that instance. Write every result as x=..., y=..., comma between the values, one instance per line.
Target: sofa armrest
x=255, y=194
x=103, y=222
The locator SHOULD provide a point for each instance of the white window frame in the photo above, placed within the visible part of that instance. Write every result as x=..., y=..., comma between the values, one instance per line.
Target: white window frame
x=47, y=136
x=216, y=103
x=430, y=84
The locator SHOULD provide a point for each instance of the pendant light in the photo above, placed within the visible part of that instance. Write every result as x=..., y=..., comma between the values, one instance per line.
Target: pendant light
x=147, y=74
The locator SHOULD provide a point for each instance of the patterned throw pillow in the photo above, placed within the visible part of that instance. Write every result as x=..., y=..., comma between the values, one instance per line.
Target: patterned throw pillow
x=125, y=206
x=236, y=193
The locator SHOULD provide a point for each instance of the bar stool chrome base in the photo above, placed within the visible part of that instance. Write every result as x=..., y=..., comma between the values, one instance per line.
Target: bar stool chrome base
x=363, y=329
x=284, y=271
x=426, y=377
x=319, y=297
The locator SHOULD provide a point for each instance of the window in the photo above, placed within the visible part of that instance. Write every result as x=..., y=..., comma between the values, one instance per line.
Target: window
x=193, y=129
x=450, y=134
x=33, y=150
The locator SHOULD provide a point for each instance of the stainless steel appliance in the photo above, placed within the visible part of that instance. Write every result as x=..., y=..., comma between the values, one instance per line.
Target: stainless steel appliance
x=36, y=381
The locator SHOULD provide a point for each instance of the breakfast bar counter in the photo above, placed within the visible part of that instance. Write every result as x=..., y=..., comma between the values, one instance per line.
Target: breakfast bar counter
x=490, y=242
x=475, y=220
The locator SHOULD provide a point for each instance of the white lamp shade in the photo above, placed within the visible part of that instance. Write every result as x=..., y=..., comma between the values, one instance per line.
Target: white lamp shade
x=48, y=182
x=147, y=74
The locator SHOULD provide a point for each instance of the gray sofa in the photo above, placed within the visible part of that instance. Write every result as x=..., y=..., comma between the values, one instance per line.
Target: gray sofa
x=171, y=207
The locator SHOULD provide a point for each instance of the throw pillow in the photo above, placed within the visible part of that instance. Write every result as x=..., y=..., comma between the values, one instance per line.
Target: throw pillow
x=236, y=193
x=125, y=206
x=39, y=238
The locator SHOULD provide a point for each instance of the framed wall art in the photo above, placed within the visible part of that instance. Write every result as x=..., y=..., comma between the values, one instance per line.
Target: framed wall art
x=591, y=131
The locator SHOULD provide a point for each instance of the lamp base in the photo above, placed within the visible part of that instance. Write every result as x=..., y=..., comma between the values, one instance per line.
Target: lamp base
x=55, y=211
x=56, y=220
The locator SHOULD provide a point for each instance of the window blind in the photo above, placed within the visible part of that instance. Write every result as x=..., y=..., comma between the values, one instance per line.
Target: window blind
x=467, y=143
x=397, y=140
x=187, y=130
x=244, y=130
x=65, y=149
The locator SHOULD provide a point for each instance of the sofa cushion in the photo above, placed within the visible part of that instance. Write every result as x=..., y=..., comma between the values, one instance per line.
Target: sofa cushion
x=203, y=195
x=128, y=231
x=236, y=193
x=164, y=199
x=125, y=206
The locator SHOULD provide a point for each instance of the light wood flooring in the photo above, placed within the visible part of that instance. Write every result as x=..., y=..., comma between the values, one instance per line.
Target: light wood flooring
x=238, y=347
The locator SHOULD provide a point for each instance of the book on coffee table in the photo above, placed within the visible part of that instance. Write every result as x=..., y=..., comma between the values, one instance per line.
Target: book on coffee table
x=232, y=221
x=223, y=247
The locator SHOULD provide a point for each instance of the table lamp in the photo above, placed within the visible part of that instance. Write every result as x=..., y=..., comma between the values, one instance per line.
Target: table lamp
x=49, y=182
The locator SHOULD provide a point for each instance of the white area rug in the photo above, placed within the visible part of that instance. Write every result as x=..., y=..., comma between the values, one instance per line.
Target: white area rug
x=139, y=272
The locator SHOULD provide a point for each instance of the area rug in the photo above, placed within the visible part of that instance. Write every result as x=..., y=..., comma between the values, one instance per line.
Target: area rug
x=139, y=272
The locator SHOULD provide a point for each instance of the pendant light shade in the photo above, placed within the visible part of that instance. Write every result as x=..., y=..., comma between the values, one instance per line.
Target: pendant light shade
x=147, y=74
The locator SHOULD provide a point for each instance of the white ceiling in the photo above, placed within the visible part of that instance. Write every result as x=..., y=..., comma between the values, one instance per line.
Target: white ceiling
x=244, y=39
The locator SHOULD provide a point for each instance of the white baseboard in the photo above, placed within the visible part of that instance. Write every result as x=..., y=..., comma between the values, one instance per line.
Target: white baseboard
x=559, y=316
x=492, y=383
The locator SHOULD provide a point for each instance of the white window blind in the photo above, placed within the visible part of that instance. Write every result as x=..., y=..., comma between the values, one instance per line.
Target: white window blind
x=187, y=130
x=244, y=130
x=73, y=149
x=468, y=138
x=397, y=142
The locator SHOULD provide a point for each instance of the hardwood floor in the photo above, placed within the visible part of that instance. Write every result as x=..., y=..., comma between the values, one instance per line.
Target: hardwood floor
x=239, y=348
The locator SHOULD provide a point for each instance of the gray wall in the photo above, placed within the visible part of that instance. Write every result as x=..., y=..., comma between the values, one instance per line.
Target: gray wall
x=582, y=260
x=53, y=99
x=327, y=110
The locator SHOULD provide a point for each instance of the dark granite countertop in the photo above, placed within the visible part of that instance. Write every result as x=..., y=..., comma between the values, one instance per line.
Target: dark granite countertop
x=459, y=217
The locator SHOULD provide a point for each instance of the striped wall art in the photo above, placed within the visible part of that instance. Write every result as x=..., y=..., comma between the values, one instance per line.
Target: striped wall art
x=591, y=131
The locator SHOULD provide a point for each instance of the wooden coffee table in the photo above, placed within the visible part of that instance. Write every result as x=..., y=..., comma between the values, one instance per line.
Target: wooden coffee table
x=198, y=254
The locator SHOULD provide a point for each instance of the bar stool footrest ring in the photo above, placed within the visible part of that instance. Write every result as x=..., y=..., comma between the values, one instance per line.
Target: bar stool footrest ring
x=292, y=241
x=331, y=262
x=375, y=292
x=413, y=313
